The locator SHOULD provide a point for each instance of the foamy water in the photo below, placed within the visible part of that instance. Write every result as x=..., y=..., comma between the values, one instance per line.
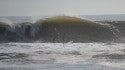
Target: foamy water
x=40, y=54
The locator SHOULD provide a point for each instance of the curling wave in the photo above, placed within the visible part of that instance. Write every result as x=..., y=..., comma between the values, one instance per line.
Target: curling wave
x=58, y=29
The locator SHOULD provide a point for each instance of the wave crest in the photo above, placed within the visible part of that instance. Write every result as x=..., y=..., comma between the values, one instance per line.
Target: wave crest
x=61, y=29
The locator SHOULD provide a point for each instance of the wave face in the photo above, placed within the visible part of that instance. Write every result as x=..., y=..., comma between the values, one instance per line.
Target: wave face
x=60, y=29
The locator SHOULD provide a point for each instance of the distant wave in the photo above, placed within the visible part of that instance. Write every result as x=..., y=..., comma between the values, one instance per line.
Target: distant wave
x=58, y=29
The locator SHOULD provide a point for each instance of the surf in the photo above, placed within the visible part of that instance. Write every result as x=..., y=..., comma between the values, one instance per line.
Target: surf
x=59, y=29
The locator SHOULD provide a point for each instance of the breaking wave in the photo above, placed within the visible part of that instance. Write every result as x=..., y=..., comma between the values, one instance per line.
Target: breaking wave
x=59, y=29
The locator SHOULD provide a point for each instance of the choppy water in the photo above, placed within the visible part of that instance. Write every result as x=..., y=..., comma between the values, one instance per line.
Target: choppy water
x=54, y=56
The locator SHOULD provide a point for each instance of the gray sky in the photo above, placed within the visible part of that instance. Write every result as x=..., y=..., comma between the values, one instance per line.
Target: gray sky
x=56, y=7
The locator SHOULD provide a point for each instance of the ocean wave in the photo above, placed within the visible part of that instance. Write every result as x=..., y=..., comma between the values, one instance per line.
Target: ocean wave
x=58, y=29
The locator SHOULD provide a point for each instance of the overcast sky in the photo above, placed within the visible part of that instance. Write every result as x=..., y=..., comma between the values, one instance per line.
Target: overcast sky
x=56, y=7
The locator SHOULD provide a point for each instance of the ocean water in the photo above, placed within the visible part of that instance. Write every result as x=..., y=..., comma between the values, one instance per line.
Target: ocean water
x=58, y=29
x=58, y=56
x=60, y=43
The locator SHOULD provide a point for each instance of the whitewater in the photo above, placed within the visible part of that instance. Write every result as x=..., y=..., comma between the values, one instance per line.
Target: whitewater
x=51, y=56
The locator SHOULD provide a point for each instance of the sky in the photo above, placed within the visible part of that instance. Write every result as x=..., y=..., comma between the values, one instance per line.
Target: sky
x=60, y=7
